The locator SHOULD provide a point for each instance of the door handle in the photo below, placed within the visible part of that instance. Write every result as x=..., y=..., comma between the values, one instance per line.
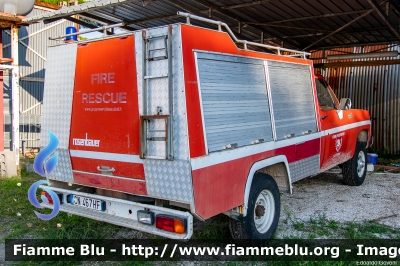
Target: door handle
x=323, y=117
x=105, y=170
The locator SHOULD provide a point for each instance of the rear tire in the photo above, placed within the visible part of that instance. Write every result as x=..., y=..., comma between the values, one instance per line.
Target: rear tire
x=355, y=169
x=263, y=211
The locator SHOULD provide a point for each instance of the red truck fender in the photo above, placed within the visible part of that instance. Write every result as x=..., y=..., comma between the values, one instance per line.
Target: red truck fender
x=264, y=164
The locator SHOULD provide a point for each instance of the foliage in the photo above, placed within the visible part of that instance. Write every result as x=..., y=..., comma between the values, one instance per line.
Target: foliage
x=384, y=158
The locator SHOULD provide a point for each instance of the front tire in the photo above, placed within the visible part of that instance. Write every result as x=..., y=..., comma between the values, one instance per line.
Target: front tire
x=355, y=169
x=263, y=211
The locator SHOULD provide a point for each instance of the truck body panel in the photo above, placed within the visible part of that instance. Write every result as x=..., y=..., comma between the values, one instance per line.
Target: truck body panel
x=180, y=113
x=105, y=97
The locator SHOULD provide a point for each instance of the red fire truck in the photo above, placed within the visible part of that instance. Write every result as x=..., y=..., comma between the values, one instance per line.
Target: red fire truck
x=195, y=118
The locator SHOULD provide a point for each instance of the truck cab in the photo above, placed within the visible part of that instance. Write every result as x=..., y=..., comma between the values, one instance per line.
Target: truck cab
x=338, y=147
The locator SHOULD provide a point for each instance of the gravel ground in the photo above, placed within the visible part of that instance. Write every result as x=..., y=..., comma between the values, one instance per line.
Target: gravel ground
x=378, y=198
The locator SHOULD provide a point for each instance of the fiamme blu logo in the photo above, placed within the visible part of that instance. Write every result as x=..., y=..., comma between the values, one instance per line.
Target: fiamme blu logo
x=44, y=167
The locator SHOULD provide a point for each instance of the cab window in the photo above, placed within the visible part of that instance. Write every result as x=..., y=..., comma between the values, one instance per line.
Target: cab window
x=325, y=98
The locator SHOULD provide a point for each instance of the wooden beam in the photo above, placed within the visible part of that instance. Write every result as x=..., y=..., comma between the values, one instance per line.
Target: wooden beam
x=358, y=63
x=394, y=41
x=385, y=19
x=109, y=14
x=246, y=4
x=394, y=6
x=9, y=18
x=307, y=18
x=324, y=32
x=6, y=60
x=185, y=6
x=104, y=20
x=339, y=29
x=146, y=20
x=190, y=9
x=85, y=24
x=238, y=18
x=42, y=4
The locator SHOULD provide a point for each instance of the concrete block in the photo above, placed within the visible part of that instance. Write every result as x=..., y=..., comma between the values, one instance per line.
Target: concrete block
x=8, y=166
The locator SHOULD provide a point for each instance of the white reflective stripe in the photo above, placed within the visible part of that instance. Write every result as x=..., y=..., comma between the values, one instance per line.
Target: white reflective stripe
x=349, y=126
x=234, y=154
x=109, y=176
x=126, y=158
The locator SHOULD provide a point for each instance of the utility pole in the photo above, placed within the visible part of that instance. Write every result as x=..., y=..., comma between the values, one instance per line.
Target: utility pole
x=77, y=17
x=15, y=92
x=75, y=3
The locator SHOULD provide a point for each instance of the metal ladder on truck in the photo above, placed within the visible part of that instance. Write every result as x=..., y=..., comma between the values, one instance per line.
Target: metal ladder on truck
x=156, y=128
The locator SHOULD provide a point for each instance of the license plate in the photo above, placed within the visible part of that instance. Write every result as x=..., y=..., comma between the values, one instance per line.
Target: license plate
x=94, y=204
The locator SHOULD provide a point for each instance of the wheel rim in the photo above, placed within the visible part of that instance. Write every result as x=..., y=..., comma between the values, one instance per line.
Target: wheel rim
x=264, y=211
x=360, y=163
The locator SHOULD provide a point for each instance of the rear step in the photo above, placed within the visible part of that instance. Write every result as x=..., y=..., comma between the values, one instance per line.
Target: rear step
x=125, y=211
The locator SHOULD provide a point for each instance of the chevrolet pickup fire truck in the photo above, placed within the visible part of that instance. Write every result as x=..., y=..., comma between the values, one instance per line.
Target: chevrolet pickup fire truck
x=163, y=124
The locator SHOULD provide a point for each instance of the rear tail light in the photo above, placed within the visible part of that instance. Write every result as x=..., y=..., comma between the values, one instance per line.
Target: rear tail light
x=171, y=224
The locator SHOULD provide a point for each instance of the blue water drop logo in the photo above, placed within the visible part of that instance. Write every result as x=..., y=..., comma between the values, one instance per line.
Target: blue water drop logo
x=45, y=169
x=32, y=198
x=39, y=166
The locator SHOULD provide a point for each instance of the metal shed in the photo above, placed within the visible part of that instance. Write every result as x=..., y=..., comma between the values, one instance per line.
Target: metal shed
x=33, y=43
x=321, y=27
x=370, y=84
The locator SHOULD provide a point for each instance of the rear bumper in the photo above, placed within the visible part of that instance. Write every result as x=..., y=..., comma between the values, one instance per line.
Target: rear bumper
x=123, y=213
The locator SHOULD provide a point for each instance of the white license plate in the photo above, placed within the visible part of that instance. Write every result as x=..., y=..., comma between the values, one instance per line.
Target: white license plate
x=93, y=204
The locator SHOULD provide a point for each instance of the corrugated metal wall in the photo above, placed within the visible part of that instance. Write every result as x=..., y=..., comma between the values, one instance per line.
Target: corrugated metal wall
x=374, y=88
x=32, y=59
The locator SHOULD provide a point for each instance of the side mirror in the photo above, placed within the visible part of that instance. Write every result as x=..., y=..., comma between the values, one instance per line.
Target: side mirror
x=345, y=104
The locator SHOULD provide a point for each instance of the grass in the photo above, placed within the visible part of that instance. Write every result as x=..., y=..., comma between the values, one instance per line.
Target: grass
x=14, y=201
x=215, y=228
x=369, y=230
x=384, y=158
x=319, y=226
x=388, y=161
x=23, y=223
x=16, y=208
x=313, y=263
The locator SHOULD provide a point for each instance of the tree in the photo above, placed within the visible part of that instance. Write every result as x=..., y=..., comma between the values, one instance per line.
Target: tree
x=56, y=2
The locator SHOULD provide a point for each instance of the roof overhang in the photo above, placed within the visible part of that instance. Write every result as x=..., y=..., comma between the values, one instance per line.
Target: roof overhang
x=8, y=20
x=74, y=10
x=293, y=24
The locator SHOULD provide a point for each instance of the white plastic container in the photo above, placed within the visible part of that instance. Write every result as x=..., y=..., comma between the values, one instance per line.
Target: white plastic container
x=16, y=7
